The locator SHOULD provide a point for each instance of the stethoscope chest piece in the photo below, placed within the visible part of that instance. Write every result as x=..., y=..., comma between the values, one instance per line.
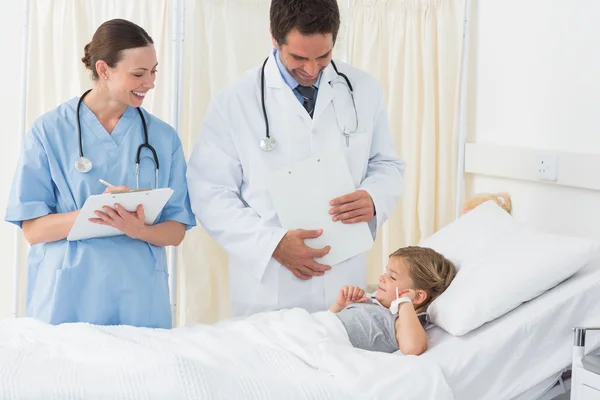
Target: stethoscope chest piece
x=83, y=165
x=267, y=143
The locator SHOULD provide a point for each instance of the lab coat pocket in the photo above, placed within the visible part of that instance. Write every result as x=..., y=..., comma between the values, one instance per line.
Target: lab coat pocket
x=357, y=148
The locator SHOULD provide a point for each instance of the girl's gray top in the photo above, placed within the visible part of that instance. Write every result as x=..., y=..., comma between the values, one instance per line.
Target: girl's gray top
x=371, y=326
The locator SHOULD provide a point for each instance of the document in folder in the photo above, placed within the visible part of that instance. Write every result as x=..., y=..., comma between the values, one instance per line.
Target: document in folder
x=301, y=194
x=152, y=200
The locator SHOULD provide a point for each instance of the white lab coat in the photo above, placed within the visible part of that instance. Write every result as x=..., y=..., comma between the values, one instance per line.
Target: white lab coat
x=227, y=178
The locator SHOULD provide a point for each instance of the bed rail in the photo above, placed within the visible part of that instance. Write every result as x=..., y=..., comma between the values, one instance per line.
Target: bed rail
x=579, y=334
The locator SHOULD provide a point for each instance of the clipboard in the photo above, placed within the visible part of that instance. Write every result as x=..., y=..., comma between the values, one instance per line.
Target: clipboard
x=301, y=194
x=152, y=200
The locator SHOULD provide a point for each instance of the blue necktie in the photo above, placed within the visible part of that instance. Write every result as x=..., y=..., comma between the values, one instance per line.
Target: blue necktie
x=308, y=94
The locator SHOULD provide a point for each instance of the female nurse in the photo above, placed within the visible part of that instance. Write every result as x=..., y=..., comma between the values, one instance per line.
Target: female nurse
x=118, y=280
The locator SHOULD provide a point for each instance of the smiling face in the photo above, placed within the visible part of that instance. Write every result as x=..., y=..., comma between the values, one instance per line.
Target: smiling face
x=132, y=77
x=397, y=276
x=305, y=56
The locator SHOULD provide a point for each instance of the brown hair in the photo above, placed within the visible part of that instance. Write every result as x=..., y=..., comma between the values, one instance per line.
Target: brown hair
x=110, y=39
x=308, y=16
x=429, y=271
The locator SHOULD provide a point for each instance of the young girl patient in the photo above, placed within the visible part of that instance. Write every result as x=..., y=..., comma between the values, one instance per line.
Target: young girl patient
x=394, y=317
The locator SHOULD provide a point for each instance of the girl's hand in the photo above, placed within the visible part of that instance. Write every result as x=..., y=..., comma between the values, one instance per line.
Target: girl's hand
x=349, y=295
x=130, y=223
x=407, y=293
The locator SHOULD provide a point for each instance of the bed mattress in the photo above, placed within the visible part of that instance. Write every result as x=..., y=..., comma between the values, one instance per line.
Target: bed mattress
x=522, y=349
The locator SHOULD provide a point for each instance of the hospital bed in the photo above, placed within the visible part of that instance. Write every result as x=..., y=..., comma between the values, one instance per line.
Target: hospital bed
x=520, y=355
x=523, y=354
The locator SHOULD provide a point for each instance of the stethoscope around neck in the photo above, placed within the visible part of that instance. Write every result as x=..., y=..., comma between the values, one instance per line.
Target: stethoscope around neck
x=267, y=143
x=84, y=164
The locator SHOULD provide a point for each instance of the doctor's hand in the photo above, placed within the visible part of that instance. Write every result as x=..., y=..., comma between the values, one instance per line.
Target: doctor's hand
x=295, y=255
x=130, y=223
x=353, y=208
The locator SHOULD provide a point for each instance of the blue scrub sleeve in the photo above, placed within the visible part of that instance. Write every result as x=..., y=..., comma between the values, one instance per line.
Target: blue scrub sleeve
x=178, y=207
x=32, y=192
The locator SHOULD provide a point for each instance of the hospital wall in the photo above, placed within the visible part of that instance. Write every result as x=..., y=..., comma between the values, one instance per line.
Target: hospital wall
x=11, y=35
x=535, y=85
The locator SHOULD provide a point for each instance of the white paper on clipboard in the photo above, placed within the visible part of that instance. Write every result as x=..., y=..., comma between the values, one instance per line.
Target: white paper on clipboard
x=152, y=200
x=301, y=194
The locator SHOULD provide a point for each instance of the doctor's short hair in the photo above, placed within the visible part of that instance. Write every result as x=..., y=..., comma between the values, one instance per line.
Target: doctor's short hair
x=307, y=16
x=110, y=39
x=429, y=270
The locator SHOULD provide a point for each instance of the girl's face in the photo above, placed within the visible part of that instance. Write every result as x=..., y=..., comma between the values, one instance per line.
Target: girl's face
x=397, y=276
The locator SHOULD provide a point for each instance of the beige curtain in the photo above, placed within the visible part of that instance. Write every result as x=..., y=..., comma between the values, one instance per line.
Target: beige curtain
x=58, y=32
x=412, y=47
x=224, y=38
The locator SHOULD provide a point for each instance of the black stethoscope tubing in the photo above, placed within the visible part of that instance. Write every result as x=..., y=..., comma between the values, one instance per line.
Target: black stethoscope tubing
x=146, y=143
x=262, y=91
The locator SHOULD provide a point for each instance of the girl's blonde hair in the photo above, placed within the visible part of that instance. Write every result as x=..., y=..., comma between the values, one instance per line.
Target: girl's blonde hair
x=429, y=271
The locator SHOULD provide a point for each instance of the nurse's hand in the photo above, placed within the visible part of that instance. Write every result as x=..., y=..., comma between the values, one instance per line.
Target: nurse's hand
x=130, y=223
x=112, y=189
x=295, y=255
x=353, y=208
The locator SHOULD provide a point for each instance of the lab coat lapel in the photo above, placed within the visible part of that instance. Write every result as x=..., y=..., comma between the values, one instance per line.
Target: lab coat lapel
x=273, y=79
x=326, y=93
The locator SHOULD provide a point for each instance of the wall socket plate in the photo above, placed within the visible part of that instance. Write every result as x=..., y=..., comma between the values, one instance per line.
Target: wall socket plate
x=547, y=166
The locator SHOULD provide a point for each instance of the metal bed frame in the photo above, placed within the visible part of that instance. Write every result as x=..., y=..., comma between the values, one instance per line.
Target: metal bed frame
x=582, y=377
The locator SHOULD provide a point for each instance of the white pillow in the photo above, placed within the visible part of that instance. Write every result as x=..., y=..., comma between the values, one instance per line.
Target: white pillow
x=500, y=264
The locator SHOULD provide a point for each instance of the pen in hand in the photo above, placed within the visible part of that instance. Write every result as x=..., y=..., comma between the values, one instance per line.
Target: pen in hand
x=110, y=188
x=102, y=181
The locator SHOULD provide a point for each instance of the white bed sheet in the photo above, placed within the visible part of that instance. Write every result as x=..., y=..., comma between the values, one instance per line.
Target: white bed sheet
x=278, y=355
x=508, y=356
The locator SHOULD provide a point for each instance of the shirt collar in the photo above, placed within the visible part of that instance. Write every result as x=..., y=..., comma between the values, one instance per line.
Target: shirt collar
x=287, y=77
x=374, y=300
x=423, y=316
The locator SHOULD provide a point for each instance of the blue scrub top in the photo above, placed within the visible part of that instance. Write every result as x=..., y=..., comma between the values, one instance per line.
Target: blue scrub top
x=106, y=281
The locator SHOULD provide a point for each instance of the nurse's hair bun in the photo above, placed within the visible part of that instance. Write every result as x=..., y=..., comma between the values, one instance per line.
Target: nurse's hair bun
x=87, y=58
x=109, y=41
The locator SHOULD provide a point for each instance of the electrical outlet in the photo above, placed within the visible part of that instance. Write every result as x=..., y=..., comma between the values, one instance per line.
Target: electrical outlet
x=547, y=167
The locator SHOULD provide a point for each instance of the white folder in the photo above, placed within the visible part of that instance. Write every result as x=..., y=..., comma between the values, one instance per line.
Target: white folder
x=301, y=194
x=152, y=200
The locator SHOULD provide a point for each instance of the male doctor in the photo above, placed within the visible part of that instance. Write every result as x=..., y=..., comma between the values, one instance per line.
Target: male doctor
x=308, y=109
